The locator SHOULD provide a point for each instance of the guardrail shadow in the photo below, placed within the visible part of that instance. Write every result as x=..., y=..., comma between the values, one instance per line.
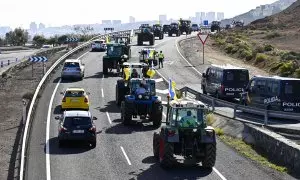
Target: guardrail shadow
x=180, y=171
x=98, y=75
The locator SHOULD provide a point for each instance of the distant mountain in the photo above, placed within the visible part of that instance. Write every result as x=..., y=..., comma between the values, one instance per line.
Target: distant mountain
x=260, y=12
x=287, y=19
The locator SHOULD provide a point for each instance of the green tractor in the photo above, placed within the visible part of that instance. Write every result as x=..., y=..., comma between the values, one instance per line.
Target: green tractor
x=185, y=26
x=158, y=31
x=185, y=134
x=145, y=34
x=116, y=55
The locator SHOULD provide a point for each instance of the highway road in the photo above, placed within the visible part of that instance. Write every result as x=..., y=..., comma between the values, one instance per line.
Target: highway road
x=121, y=152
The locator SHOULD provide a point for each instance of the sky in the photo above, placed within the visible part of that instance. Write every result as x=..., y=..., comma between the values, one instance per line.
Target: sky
x=20, y=13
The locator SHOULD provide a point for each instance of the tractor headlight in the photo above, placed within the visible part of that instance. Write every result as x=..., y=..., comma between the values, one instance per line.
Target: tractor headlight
x=140, y=96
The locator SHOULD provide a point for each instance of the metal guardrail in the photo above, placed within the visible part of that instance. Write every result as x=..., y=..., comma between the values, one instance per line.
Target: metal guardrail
x=40, y=85
x=238, y=107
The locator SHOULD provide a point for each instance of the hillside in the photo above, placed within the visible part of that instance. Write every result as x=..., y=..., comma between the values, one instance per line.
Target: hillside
x=260, y=12
x=287, y=19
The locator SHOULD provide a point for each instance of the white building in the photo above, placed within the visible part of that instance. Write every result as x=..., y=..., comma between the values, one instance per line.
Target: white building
x=220, y=16
x=131, y=19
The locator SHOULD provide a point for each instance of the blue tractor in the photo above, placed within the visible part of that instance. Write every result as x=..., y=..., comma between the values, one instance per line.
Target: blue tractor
x=145, y=105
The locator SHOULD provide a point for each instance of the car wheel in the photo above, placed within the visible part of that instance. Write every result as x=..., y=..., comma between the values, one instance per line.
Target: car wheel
x=93, y=144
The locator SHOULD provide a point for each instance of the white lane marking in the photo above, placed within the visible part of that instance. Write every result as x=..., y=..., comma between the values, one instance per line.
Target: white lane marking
x=159, y=80
x=48, y=172
x=164, y=114
x=164, y=102
x=220, y=175
x=102, y=76
x=83, y=55
x=108, y=117
x=214, y=169
x=128, y=161
x=165, y=91
x=176, y=43
x=102, y=92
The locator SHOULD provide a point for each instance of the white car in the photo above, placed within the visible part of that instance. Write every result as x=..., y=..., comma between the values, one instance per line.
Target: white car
x=46, y=46
x=73, y=68
x=99, y=45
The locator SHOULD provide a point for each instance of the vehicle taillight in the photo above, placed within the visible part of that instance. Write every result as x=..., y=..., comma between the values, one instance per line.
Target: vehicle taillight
x=93, y=129
x=63, y=129
x=86, y=100
x=64, y=99
x=222, y=88
x=171, y=133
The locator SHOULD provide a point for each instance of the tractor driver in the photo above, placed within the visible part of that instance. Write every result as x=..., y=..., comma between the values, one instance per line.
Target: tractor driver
x=141, y=89
x=134, y=73
x=188, y=120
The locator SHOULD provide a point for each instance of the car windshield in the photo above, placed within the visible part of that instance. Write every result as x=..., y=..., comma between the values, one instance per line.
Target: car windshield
x=291, y=88
x=194, y=25
x=98, y=42
x=236, y=76
x=71, y=64
x=114, y=51
x=156, y=27
x=77, y=121
x=74, y=94
x=150, y=87
x=180, y=114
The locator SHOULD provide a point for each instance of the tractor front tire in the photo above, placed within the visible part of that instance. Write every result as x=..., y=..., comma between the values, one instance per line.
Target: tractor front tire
x=126, y=116
x=156, y=115
x=210, y=156
x=156, y=145
x=105, y=69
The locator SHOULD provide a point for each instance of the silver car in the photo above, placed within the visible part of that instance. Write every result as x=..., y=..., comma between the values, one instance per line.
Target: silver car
x=73, y=68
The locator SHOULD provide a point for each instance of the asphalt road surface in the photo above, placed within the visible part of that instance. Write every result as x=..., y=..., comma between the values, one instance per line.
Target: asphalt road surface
x=121, y=152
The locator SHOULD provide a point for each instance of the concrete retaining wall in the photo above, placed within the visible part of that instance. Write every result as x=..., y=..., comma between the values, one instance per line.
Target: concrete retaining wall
x=278, y=148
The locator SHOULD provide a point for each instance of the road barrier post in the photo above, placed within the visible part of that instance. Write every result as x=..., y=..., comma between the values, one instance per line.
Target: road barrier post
x=1, y=63
x=24, y=111
x=8, y=62
x=234, y=111
x=16, y=59
x=213, y=104
x=266, y=117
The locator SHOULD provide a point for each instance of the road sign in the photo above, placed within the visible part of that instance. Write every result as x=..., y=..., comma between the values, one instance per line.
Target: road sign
x=202, y=37
x=38, y=59
x=72, y=39
x=205, y=22
x=108, y=29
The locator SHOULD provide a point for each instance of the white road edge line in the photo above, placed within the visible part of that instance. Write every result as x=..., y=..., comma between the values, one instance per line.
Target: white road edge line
x=108, y=117
x=48, y=172
x=128, y=161
x=176, y=43
x=102, y=92
x=83, y=55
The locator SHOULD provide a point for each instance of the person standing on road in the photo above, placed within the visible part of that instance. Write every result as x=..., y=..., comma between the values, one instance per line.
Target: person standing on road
x=161, y=58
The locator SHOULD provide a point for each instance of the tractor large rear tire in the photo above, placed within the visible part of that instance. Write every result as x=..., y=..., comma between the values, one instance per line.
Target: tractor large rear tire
x=156, y=145
x=105, y=69
x=166, y=156
x=152, y=41
x=120, y=91
x=210, y=156
x=156, y=115
x=126, y=113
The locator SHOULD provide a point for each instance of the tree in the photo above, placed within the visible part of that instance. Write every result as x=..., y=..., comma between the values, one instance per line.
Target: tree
x=62, y=39
x=52, y=40
x=18, y=37
x=39, y=40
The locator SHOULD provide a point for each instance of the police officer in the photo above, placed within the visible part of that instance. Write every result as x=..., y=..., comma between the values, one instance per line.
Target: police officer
x=161, y=58
x=188, y=120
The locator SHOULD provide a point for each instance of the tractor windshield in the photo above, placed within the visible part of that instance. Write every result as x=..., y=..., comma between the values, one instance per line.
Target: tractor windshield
x=174, y=25
x=186, y=117
x=114, y=51
x=150, y=87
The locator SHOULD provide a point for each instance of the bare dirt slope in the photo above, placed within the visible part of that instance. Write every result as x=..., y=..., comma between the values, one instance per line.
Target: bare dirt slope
x=13, y=86
x=287, y=19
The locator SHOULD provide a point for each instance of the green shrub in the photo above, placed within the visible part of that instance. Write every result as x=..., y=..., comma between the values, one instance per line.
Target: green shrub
x=287, y=69
x=259, y=49
x=276, y=66
x=272, y=35
x=247, y=54
x=220, y=42
x=260, y=58
x=210, y=119
x=297, y=73
x=268, y=47
x=290, y=56
x=229, y=48
x=230, y=39
x=219, y=131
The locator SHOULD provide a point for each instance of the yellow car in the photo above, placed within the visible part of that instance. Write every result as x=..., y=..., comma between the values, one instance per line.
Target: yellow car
x=75, y=98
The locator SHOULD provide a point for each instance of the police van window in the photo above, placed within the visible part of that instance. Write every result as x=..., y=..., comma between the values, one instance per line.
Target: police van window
x=275, y=87
x=292, y=88
x=261, y=85
x=229, y=76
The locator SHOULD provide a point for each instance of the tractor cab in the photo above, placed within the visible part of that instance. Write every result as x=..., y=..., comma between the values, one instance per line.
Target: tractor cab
x=148, y=84
x=134, y=70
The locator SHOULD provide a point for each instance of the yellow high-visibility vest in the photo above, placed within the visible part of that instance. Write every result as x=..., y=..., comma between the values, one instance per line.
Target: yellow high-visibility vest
x=161, y=56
